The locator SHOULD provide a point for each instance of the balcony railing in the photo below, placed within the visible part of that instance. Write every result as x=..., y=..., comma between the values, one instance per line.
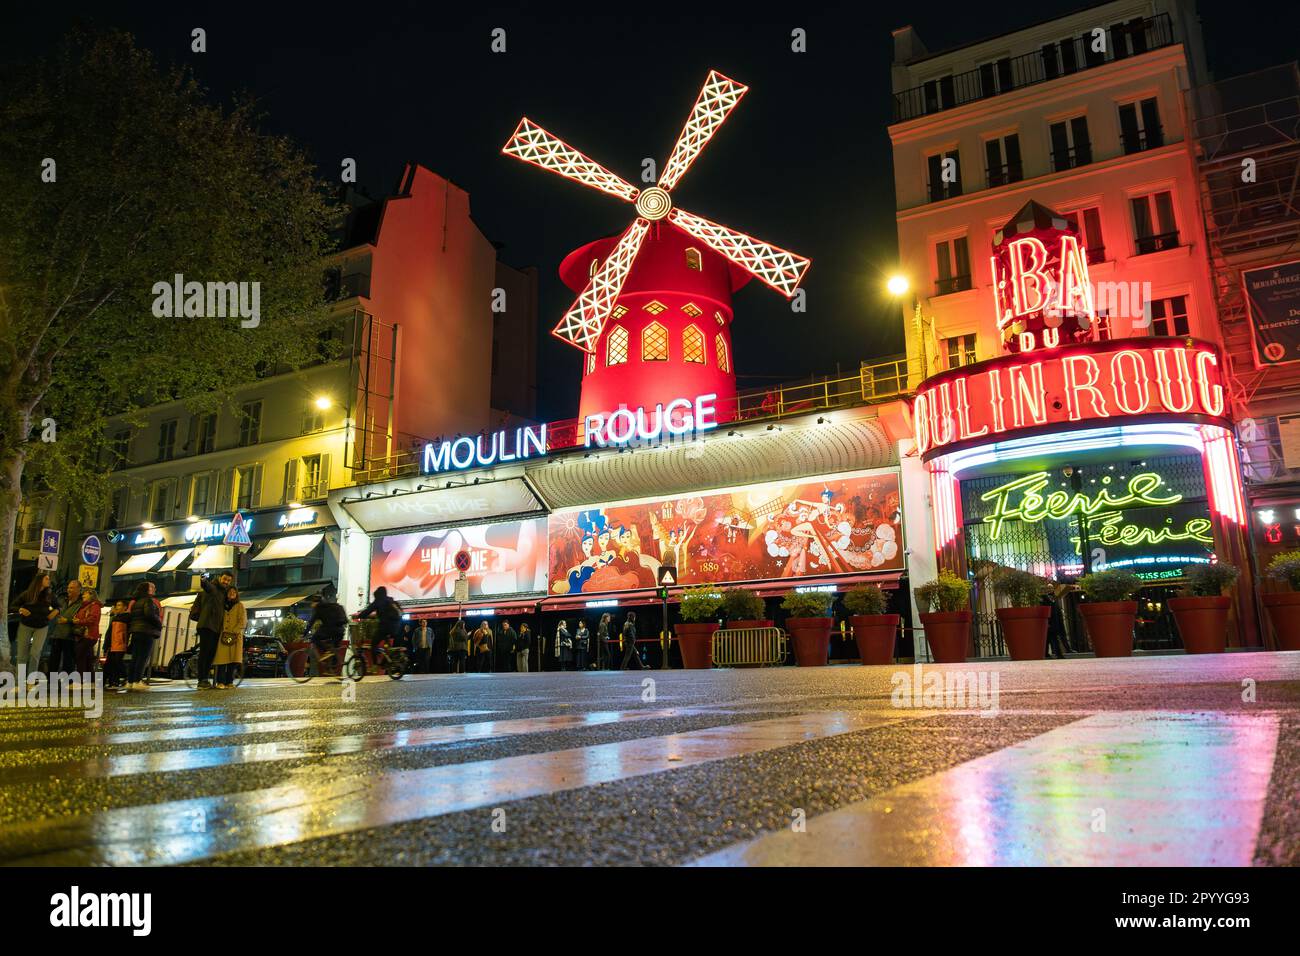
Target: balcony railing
x=1071, y=158
x=950, y=284
x=940, y=191
x=1006, y=173
x=1048, y=63
x=1137, y=141
x=1096, y=254
x=1157, y=243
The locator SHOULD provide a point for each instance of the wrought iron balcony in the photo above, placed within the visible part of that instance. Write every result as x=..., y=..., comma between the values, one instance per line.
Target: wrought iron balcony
x=1157, y=243
x=1071, y=158
x=1052, y=61
x=951, y=284
x=1142, y=139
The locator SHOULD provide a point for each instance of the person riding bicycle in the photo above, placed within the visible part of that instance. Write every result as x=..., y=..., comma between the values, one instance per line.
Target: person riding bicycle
x=389, y=614
x=333, y=621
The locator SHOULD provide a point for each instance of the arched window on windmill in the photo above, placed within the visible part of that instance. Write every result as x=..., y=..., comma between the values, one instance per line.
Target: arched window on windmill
x=654, y=343
x=591, y=362
x=693, y=260
x=595, y=264
x=616, y=346
x=692, y=345
x=724, y=364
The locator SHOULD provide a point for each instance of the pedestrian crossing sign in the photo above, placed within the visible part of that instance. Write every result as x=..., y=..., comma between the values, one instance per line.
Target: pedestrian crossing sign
x=667, y=575
x=237, y=533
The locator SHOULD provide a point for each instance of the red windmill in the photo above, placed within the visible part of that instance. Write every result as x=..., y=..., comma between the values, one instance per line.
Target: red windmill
x=654, y=310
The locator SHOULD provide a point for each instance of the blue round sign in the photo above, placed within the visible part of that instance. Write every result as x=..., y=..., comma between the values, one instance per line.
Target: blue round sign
x=90, y=550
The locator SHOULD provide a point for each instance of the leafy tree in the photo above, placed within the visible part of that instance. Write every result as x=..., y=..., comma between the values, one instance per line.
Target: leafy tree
x=149, y=178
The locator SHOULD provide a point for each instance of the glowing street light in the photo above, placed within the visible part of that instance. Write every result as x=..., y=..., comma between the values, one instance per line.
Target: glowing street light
x=324, y=402
x=898, y=285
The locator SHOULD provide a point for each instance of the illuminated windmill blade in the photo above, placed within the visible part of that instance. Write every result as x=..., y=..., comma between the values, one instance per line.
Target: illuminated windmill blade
x=780, y=269
x=717, y=99
x=582, y=324
x=534, y=145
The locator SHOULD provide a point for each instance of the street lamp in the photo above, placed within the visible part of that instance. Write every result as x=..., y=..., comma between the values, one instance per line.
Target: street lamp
x=898, y=285
x=323, y=402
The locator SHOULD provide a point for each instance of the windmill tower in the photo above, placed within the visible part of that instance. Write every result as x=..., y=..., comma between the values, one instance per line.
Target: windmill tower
x=653, y=313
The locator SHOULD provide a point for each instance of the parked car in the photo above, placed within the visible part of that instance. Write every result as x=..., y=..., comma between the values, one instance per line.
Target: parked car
x=176, y=666
x=264, y=656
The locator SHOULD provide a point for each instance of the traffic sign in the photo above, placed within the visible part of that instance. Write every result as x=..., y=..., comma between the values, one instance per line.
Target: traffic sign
x=90, y=551
x=462, y=561
x=462, y=589
x=237, y=533
x=89, y=576
x=667, y=575
x=46, y=562
x=50, y=541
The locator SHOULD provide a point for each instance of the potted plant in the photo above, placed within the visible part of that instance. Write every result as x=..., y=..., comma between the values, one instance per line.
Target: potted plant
x=744, y=608
x=809, y=624
x=699, y=612
x=1284, y=606
x=1109, y=611
x=1024, y=623
x=947, y=622
x=873, y=629
x=290, y=631
x=1202, y=611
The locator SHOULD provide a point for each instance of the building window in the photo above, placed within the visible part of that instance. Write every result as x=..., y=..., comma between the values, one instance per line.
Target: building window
x=1154, y=226
x=654, y=343
x=1139, y=126
x=1002, y=156
x=313, y=419
x=205, y=434
x=1169, y=316
x=619, y=311
x=117, y=508
x=591, y=362
x=616, y=346
x=1128, y=38
x=250, y=424
x=167, y=440
x=121, y=449
x=161, y=507
x=961, y=350
x=940, y=188
x=306, y=478
x=591, y=269
x=654, y=307
x=1060, y=58
x=996, y=77
x=201, y=494
x=720, y=344
x=717, y=317
x=247, y=480
x=1071, y=144
x=1103, y=326
x=940, y=94
x=693, y=310
x=1088, y=222
x=952, y=261
x=693, y=345
x=693, y=260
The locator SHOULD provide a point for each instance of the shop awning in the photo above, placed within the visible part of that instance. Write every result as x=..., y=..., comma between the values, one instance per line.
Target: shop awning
x=175, y=560
x=290, y=547
x=267, y=600
x=139, y=563
x=178, y=600
x=427, y=504
x=215, y=556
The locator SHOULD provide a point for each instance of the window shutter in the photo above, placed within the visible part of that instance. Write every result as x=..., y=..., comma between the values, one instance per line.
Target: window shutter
x=290, y=480
x=225, y=491
x=323, y=486
x=255, y=498
x=181, y=497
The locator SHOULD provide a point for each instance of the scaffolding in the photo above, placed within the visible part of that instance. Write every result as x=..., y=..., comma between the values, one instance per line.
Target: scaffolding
x=1246, y=132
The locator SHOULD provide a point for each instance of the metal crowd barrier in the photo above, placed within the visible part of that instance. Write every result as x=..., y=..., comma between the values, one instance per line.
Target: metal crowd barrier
x=749, y=647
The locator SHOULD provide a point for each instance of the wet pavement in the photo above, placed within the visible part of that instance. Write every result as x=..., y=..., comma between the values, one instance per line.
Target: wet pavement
x=1169, y=760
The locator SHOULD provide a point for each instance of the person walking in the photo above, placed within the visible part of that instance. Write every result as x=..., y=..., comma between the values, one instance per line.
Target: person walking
x=506, y=648
x=144, y=627
x=36, y=609
x=208, y=612
x=458, y=647
x=629, y=642
x=582, y=646
x=564, y=646
x=85, y=626
x=229, y=658
x=63, y=636
x=483, y=648
x=389, y=614
x=1055, y=623
x=523, y=644
x=423, y=646
x=602, y=643
x=114, y=671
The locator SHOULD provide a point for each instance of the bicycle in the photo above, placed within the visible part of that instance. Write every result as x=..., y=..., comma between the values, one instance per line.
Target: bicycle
x=192, y=672
x=307, y=662
x=395, y=660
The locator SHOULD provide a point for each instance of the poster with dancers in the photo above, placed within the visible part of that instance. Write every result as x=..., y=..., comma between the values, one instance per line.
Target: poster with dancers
x=505, y=558
x=840, y=525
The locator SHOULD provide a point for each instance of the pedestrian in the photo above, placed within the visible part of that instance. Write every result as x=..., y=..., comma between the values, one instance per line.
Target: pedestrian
x=628, y=637
x=63, y=635
x=208, y=612
x=144, y=627
x=114, y=671
x=602, y=643
x=582, y=646
x=523, y=644
x=1055, y=624
x=483, y=648
x=564, y=646
x=506, y=647
x=85, y=625
x=330, y=622
x=389, y=615
x=423, y=646
x=458, y=647
x=36, y=609
x=229, y=658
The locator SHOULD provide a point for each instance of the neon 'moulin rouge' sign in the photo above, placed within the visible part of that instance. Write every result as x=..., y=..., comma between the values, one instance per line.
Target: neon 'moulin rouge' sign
x=1093, y=384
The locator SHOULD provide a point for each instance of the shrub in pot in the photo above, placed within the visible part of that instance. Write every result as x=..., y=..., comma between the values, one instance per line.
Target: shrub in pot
x=699, y=610
x=1110, y=610
x=744, y=608
x=947, y=620
x=873, y=629
x=1284, y=606
x=291, y=632
x=1202, y=610
x=809, y=625
x=1024, y=623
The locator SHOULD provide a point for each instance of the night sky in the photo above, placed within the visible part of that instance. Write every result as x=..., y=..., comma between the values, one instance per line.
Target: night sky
x=803, y=162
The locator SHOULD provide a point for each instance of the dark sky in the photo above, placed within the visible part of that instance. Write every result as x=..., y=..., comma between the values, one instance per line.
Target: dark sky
x=803, y=162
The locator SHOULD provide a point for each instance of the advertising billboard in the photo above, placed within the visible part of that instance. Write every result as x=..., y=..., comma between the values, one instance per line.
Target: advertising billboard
x=840, y=525
x=1273, y=294
x=508, y=557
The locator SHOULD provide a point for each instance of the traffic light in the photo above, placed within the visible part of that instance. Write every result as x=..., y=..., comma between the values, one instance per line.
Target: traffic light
x=662, y=594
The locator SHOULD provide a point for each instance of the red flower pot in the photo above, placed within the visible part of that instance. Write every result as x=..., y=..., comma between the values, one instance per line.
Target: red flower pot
x=1025, y=631
x=696, y=644
x=1110, y=626
x=748, y=624
x=812, y=639
x=875, y=635
x=1284, y=611
x=948, y=634
x=1202, y=622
